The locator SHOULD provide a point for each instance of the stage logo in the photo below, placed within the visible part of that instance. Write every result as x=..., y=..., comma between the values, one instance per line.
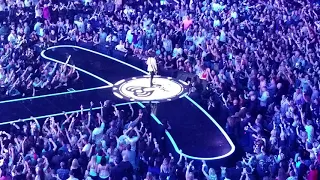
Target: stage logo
x=139, y=89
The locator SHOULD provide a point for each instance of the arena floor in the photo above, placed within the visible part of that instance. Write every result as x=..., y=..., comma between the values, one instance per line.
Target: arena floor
x=192, y=129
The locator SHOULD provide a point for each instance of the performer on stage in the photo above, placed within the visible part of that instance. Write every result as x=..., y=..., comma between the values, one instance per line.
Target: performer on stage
x=152, y=66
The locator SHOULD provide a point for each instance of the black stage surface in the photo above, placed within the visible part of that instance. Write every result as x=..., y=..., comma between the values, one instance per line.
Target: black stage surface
x=192, y=130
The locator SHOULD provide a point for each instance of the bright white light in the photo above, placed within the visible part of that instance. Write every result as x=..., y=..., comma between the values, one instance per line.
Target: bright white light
x=118, y=95
x=119, y=82
x=139, y=89
x=183, y=82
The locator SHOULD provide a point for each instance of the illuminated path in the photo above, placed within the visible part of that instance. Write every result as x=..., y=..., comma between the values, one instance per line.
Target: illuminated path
x=193, y=129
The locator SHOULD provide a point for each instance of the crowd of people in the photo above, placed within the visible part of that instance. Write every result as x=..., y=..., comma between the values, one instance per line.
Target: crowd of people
x=112, y=144
x=262, y=68
x=258, y=59
x=22, y=71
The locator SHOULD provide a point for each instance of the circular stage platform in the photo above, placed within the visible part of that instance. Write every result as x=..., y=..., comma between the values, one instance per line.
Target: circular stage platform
x=138, y=89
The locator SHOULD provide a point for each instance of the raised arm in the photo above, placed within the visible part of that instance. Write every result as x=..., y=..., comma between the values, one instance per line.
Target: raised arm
x=22, y=145
x=2, y=146
x=16, y=126
x=132, y=111
x=91, y=149
x=7, y=134
x=46, y=163
x=297, y=131
x=89, y=119
x=71, y=124
x=138, y=134
x=68, y=137
x=204, y=165
x=81, y=111
x=127, y=131
x=17, y=144
x=36, y=124
x=188, y=169
x=141, y=128
x=180, y=158
x=116, y=111
x=302, y=117
x=101, y=110
x=307, y=148
x=90, y=133
x=67, y=120
x=53, y=144
x=252, y=128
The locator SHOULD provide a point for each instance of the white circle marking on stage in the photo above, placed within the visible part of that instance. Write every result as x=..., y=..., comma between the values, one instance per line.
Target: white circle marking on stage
x=139, y=89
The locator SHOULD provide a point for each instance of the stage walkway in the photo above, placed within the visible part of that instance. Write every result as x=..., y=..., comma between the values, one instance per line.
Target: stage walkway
x=192, y=129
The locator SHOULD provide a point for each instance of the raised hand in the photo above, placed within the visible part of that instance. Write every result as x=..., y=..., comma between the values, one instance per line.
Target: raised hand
x=170, y=155
x=190, y=163
x=204, y=163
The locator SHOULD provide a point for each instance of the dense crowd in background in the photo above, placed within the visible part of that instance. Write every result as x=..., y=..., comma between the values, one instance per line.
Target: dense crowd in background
x=258, y=59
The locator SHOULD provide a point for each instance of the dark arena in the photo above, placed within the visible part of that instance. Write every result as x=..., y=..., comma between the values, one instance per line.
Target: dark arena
x=159, y=89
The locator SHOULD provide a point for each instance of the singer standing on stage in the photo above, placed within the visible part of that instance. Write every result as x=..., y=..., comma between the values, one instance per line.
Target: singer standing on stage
x=152, y=67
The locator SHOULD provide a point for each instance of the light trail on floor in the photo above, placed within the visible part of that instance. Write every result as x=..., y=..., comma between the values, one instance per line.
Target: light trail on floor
x=55, y=94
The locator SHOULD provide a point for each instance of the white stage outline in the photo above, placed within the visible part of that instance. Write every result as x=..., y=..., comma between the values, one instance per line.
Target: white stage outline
x=54, y=94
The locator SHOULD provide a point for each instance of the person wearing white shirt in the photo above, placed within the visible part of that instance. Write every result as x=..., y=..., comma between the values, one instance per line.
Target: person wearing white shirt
x=38, y=11
x=264, y=97
x=87, y=146
x=97, y=133
x=167, y=43
x=163, y=2
x=80, y=24
x=87, y=2
x=217, y=7
x=152, y=67
x=129, y=36
x=307, y=126
x=234, y=15
x=109, y=38
x=27, y=3
x=12, y=37
x=310, y=131
x=120, y=47
x=216, y=22
x=41, y=31
x=177, y=51
x=71, y=176
x=222, y=37
x=37, y=26
x=292, y=176
x=3, y=6
x=20, y=3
